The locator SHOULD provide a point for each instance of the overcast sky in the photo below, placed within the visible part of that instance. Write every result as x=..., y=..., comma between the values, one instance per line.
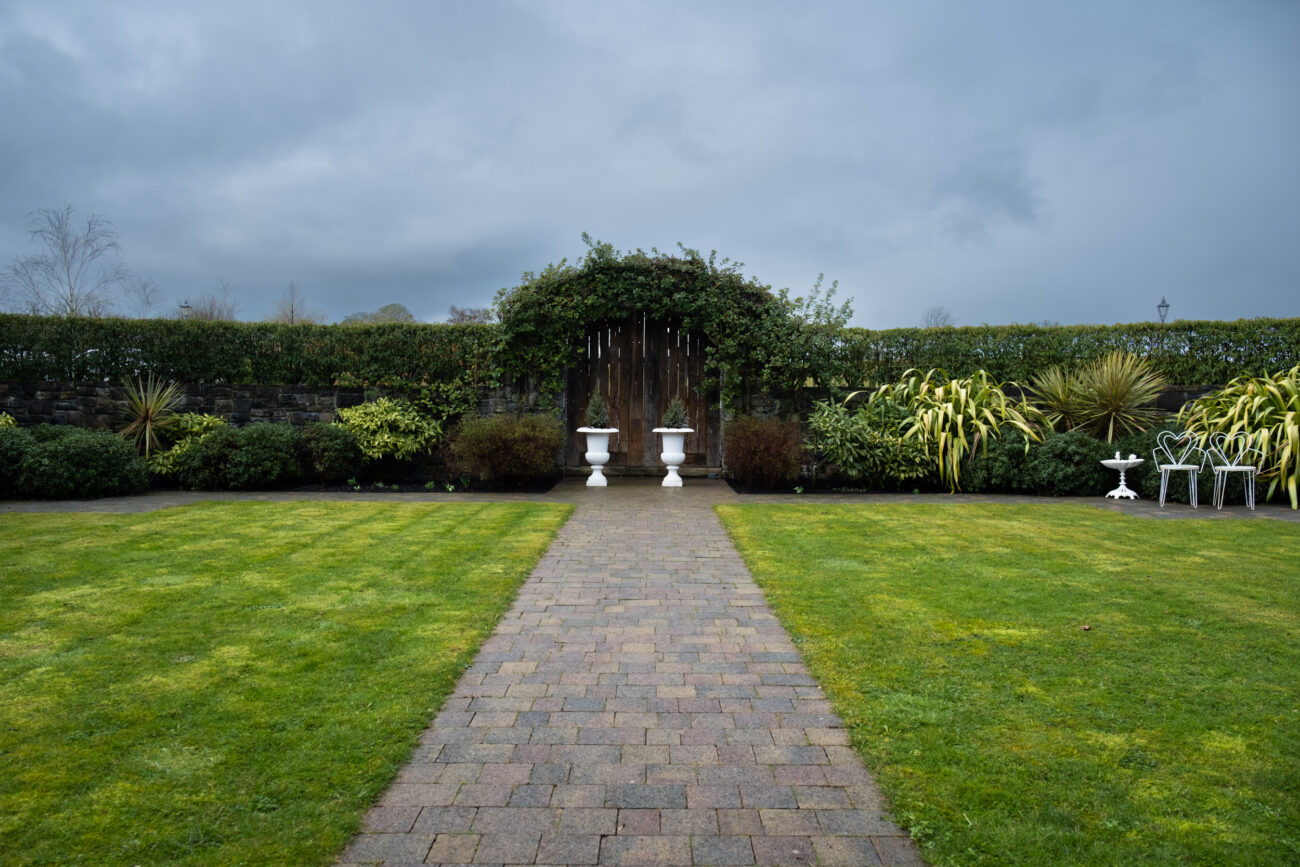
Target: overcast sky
x=1018, y=161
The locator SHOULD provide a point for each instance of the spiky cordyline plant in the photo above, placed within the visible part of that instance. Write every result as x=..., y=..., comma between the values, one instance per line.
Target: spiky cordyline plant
x=1267, y=410
x=954, y=417
x=1116, y=394
x=150, y=408
x=1053, y=392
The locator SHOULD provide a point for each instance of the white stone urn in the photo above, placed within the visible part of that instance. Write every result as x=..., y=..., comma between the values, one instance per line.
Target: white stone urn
x=597, y=453
x=674, y=453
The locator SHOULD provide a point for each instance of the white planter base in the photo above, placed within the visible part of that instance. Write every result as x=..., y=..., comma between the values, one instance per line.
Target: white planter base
x=597, y=454
x=674, y=453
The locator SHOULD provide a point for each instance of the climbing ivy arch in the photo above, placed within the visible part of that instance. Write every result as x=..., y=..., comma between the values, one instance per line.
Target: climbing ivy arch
x=754, y=336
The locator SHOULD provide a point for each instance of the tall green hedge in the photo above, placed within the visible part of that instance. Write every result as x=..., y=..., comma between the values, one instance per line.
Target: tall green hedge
x=394, y=355
x=1188, y=353
x=406, y=356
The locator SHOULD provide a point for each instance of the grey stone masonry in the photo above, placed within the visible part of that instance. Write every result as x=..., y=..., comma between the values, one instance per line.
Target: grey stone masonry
x=639, y=704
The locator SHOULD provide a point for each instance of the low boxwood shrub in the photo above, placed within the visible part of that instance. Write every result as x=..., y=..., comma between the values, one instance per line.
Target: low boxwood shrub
x=329, y=452
x=230, y=458
x=80, y=464
x=15, y=442
x=763, y=454
x=508, y=448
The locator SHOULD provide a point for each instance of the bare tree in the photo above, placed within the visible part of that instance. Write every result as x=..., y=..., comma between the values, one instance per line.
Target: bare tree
x=468, y=315
x=143, y=296
x=292, y=309
x=387, y=313
x=75, y=273
x=936, y=316
x=213, y=306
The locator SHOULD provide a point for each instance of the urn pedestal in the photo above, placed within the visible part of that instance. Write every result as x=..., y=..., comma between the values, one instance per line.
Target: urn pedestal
x=597, y=453
x=674, y=453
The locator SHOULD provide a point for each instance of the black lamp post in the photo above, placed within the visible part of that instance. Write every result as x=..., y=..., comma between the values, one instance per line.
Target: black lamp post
x=186, y=309
x=1162, y=308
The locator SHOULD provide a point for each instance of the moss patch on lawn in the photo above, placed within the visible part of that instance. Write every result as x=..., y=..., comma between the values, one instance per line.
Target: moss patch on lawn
x=952, y=640
x=234, y=682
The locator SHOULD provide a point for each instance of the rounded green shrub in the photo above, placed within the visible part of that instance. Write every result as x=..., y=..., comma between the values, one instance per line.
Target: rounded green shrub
x=329, y=452
x=15, y=442
x=247, y=458
x=81, y=464
x=508, y=448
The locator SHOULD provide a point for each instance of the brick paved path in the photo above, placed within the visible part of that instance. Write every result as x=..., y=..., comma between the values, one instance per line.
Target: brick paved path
x=638, y=705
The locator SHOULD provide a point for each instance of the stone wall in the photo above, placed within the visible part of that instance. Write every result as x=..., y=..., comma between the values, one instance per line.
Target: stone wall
x=93, y=404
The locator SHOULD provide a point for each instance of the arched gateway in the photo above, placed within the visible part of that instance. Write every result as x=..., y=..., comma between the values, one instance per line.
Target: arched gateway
x=637, y=365
x=640, y=329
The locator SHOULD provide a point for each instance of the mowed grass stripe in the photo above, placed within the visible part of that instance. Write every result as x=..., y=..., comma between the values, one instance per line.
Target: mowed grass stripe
x=234, y=682
x=950, y=638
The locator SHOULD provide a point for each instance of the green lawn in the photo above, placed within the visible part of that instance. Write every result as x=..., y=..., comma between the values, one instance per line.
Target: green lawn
x=233, y=682
x=950, y=638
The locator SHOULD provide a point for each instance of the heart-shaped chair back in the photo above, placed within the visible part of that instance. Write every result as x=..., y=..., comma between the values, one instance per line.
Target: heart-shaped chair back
x=1176, y=448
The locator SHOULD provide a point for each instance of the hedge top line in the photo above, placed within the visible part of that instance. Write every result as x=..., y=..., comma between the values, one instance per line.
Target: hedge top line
x=38, y=348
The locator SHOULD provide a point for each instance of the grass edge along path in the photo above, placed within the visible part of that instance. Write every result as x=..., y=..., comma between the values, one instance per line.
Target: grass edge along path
x=234, y=682
x=950, y=638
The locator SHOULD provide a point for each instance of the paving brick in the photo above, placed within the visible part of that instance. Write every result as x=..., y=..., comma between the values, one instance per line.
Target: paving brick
x=783, y=850
x=639, y=704
x=660, y=851
x=453, y=849
x=570, y=849
x=722, y=850
x=390, y=819
x=507, y=848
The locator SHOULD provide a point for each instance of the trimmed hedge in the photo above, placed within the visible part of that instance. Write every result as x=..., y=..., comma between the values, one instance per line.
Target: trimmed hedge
x=1187, y=353
x=406, y=356
x=51, y=348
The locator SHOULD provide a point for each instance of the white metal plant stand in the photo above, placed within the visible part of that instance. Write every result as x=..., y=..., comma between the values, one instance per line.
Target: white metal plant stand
x=1123, y=465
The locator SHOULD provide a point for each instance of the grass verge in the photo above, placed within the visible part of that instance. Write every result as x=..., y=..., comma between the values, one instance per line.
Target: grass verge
x=233, y=682
x=951, y=640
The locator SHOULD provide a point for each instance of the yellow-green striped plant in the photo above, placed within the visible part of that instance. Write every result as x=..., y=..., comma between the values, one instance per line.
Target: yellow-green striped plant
x=1267, y=410
x=954, y=417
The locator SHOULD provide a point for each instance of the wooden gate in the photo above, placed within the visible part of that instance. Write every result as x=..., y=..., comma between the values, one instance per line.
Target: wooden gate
x=638, y=365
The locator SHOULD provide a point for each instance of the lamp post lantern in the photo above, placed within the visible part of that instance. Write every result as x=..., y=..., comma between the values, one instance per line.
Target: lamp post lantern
x=186, y=309
x=1162, y=308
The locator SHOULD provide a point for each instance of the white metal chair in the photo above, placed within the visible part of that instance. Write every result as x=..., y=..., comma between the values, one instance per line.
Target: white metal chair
x=1178, y=452
x=1229, y=455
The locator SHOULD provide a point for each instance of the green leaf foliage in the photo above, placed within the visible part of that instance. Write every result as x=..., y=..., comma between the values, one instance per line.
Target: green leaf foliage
x=867, y=443
x=953, y=418
x=392, y=355
x=80, y=464
x=188, y=429
x=1186, y=353
x=1267, y=410
x=258, y=456
x=390, y=427
x=753, y=335
x=149, y=405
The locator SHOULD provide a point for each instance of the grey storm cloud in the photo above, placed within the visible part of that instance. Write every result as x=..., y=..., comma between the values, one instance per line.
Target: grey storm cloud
x=1010, y=161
